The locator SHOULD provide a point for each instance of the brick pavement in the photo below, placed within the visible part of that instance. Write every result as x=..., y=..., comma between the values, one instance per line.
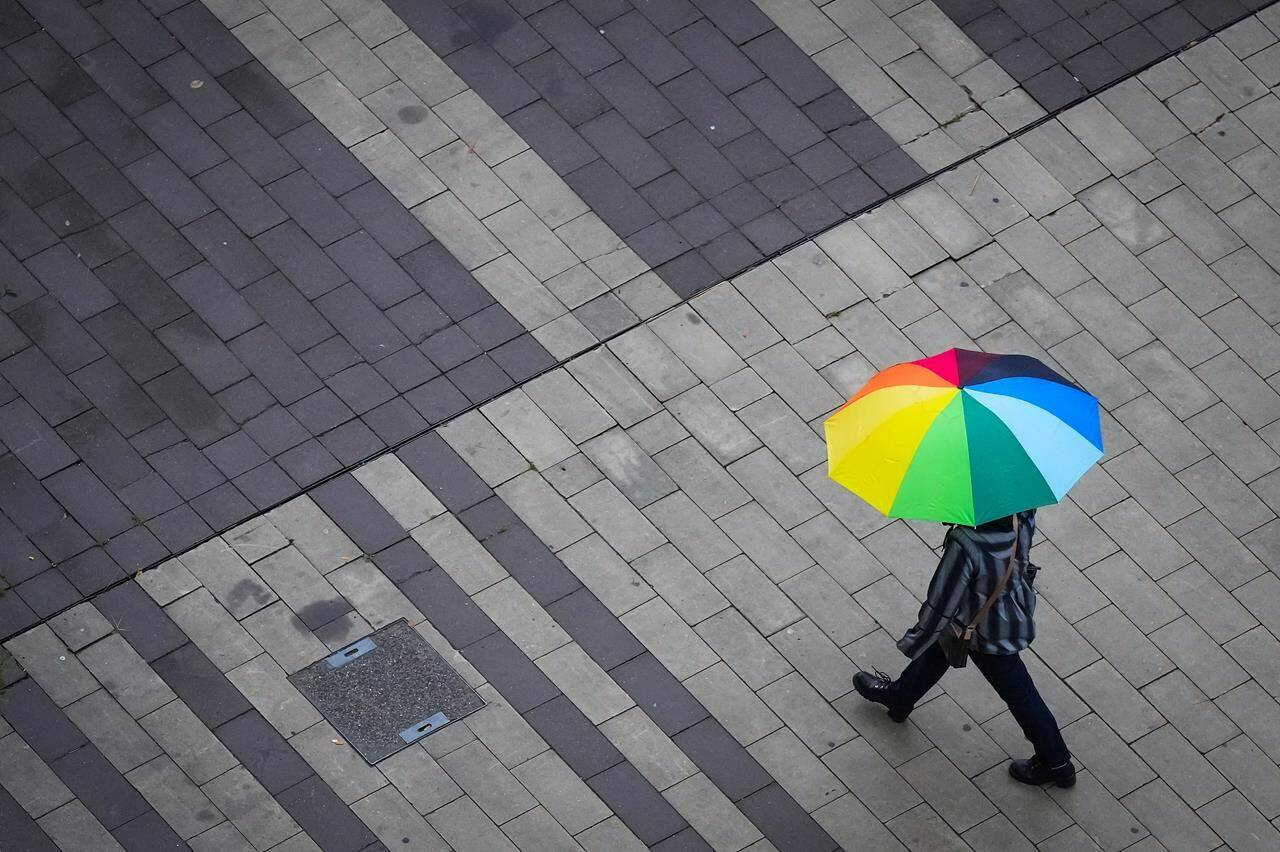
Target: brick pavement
x=211, y=307
x=639, y=561
x=1063, y=50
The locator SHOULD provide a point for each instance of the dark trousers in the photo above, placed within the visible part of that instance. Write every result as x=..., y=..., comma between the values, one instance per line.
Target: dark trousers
x=1011, y=680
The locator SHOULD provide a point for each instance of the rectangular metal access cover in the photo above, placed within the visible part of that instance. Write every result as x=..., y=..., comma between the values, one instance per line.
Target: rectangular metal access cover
x=386, y=691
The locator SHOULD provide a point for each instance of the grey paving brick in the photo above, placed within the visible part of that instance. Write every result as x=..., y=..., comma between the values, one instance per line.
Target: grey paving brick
x=1244, y=764
x=565, y=401
x=1251, y=278
x=519, y=616
x=173, y=795
x=743, y=648
x=1199, y=656
x=1173, y=822
x=564, y=795
x=1207, y=235
x=733, y=703
x=73, y=827
x=1109, y=321
x=816, y=657
x=390, y=817
x=1105, y=137
x=1187, y=276
x=862, y=259
x=1226, y=76
x=213, y=629
x=487, y=782
x=1058, y=151
x=1138, y=659
x=1238, y=822
x=1100, y=814
x=1225, y=495
x=921, y=826
x=764, y=541
x=420, y=779
x=253, y=811
x=120, y=739
x=185, y=739
x=585, y=683
x=80, y=626
x=1095, y=369
x=669, y=638
x=1133, y=592
x=1197, y=167
x=228, y=578
x=871, y=779
x=617, y=520
x=1161, y=432
x=1190, y=710
x=755, y=595
x=125, y=675
x=546, y=513
x=680, y=584
x=701, y=477
x=1143, y=113
x=610, y=578
x=735, y=320
x=28, y=779
x=291, y=644
x=1124, y=215
x=48, y=660
x=529, y=429
x=821, y=280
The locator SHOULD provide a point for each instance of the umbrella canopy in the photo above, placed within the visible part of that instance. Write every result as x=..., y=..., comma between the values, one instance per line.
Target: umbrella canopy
x=964, y=437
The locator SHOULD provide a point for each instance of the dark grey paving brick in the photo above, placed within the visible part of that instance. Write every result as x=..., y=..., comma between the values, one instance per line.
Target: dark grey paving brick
x=188, y=405
x=587, y=751
x=312, y=207
x=227, y=249
x=44, y=727
x=263, y=751
x=20, y=829
x=241, y=198
x=99, y=787
x=320, y=813
x=596, y=629
x=109, y=129
x=197, y=681
x=132, y=346
x=521, y=683
x=152, y=237
x=725, y=762
x=146, y=832
x=250, y=145
x=663, y=698
x=783, y=821
x=259, y=92
x=637, y=803
x=221, y=307
x=142, y=623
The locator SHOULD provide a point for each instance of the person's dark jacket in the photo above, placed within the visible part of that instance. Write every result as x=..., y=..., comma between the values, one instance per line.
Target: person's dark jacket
x=973, y=561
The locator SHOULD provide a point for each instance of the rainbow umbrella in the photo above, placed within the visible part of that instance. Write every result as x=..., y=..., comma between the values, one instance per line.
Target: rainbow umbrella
x=963, y=437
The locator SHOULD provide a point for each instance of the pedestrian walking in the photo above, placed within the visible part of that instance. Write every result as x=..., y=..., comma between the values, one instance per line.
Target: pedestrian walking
x=981, y=606
x=976, y=440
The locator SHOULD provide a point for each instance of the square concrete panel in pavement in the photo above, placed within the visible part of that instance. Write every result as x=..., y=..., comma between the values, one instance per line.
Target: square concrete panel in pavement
x=386, y=691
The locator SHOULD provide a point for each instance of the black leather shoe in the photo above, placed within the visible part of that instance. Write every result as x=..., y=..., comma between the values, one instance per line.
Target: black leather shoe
x=878, y=687
x=1032, y=771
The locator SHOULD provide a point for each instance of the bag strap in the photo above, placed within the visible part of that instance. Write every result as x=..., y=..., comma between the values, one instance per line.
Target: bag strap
x=1004, y=580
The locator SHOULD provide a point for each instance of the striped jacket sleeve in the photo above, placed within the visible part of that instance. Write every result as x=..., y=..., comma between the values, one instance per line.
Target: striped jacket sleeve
x=947, y=592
